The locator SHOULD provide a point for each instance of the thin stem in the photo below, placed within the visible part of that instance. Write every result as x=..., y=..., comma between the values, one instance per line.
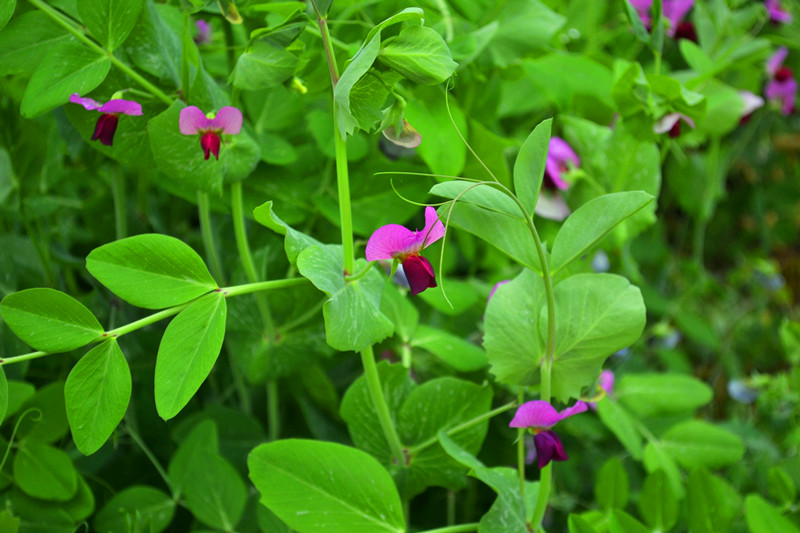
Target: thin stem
x=246, y=256
x=135, y=436
x=381, y=408
x=545, y=483
x=273, y=414
x=67, y=24
x=204, y=210
x=118, y=197
x=463, y=528
x=236, y=290
x=521, y=448
x=142, y=322
x=185, y=69
x=461, y=427
x=405, y=355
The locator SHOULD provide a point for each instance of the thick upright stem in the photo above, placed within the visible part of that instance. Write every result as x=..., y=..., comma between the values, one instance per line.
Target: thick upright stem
x=381, y=408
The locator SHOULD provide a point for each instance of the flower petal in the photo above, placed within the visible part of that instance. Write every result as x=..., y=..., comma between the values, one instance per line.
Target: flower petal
x=433, y=230
x=87, y=103
x=559, y=154
x=552, y=207
x=548, y=448
x=193, y=120
x=535, y=414
x=390, y=241
x=750, y=101
x=494, y=289
x=104, y=128
x=210, y=144
x=607, y=381
x=408, y=138
x=777, y=59
x=784, y=91
x=126, y=107
x=579, y=407
x=228, y=119
x=675, y=11
x=419, y=273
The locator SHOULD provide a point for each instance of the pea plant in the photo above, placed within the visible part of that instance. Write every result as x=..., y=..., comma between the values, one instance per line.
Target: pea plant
x=439, y=267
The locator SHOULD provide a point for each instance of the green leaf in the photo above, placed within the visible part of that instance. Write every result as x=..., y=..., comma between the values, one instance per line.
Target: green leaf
x=508, y=234
x=263, y=66
x=611, y=488
x=66, y=69
x=511, y=338
x=591, y=222
x=151, y=271
x=214, y=492
x=26, y=40
x=509, y=513
x=619, y=421
x=713, y=503
x=529, y=165
x=3, y=395
x=598, y=314
x=482, y=195
x=578, y=524
x=763, y=517
x=52, y=424
x=180, y=156
x=110, y=21
x=81, y=506
x=658, y=506
x=312, y=485
x=781, y=486
x=400, y=311
x=525, y=26
x=622, y=522
x=790, y=339
x=420, y=54
x=187, y=353
x=45, y=472
x=367, y=99
x=6, y=12
x=455, y=351
x=696, y=443
x=202, y=440
x=656, y=458
x=153, y=45
x=636, y=22
x=138, y=509
x=661, y=394
x=8, y=522
x=49, y=320
x=442, y=148
x=97, y=392
x=352, y=314
x=695, y=57
x=295, y=241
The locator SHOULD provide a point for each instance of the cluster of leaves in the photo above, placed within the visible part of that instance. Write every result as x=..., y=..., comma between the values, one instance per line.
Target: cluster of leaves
x=151, y=430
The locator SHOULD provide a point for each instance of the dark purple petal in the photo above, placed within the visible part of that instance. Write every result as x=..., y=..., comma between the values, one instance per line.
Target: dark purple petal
x=126, y=107
x=105, y=128
x=548, y=448
x=210, y=143
x=87, y=103
x=228, y=119
x=674, y=11
x=193, y=121
x=776, y=12
x=419, y=273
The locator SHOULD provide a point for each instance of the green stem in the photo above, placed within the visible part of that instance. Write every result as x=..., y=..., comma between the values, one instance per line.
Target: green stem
x=381, y=408
x=185, y=68
x=118, y=197
x=273, y=414
x=204, y=209
x=463, y=528
x=405, y=354
x=135, y=436
x=246, y=256
x=521, y=448
x=545, y=483
x=236, y=290
x=461, y=427
x=64, y=22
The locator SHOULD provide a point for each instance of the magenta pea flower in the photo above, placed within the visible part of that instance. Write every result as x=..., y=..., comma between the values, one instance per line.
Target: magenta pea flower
x=540, y=416
x=782, y=86
x=606, y=383
x=109, y=115
x=194, y=122
x=560, y=156
x=203, y=35
x=671, y=122
x=393, y=241
x=776, y=12
x=674, y=11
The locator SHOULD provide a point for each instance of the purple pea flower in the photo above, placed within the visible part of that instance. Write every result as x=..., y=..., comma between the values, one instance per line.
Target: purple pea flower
x=540, y=416
x=393, y=241
x=750, y=102
x=606, y=383
x=671, y=122
x=203, y=35
x=776, y=13
x=194, y=122
x=109, y=115
x=674, y=11
x=560, y=157
x=783, y=86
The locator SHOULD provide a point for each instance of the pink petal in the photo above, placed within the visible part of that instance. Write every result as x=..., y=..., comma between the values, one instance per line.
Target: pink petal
x=777, y=59
x=126, y=107
x=433, y=230
x=87, y=103
x=229, y=120
x=776, y=13
x=535, y=414
x=675, y=11
x=579, y=407
x=390, y=241
x=193, y=120
x=783, y=91
x=559, y=153
x=607, y=381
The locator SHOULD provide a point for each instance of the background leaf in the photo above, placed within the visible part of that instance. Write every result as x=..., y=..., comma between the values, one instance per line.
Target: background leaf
x=108, y=21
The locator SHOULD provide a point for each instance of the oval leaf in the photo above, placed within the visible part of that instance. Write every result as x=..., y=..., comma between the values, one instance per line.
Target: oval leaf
x=45, y=472
x=49, y=320
x=314, y=485
x=420, y=54
x=97, y=392
x=593, y=221
x=661, y=394
x=67, y=68
x=696, y=443
x=110, y=21
x=529, y=165
x=187, y=353
x=765, y=518
x=151, y=271
x=137, y=508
